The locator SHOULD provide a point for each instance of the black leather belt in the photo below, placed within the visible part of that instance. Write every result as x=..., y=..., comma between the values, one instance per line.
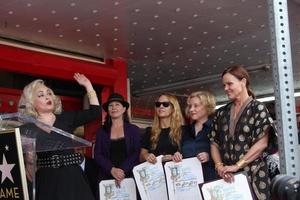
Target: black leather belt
x=57, y=161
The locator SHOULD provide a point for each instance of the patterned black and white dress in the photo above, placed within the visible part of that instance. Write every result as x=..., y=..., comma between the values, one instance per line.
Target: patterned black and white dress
x=234, y=138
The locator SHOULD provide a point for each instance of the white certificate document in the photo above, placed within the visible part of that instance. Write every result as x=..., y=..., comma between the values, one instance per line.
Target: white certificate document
x=183, y=179
x=238, y=190
x=150, y=180
x=109, y=191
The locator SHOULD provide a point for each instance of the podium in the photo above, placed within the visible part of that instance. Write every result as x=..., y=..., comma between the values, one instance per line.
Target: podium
x=22, y=139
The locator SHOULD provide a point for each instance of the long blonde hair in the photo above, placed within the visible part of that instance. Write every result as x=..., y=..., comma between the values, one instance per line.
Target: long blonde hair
x=175, y=123
x=26, y=105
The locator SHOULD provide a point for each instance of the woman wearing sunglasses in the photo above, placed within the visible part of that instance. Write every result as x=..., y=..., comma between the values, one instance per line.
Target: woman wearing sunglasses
x=164, y=137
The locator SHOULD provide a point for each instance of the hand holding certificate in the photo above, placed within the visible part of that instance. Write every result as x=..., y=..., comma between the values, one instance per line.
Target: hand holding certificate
x=150, y=180
x=109, y=190
x=219, y=189
x=183, y=179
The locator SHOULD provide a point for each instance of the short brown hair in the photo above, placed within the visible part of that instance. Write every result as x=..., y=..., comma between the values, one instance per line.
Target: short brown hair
x=240, y=72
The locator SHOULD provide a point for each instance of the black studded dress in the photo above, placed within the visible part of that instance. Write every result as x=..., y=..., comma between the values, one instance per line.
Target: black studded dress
x=65, y=182
x=234, y=138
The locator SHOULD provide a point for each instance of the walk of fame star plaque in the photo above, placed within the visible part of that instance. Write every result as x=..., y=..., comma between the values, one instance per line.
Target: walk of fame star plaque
x=13, y=183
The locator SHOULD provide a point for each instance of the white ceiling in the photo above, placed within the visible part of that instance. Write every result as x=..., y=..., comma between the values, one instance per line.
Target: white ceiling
x=166, y=43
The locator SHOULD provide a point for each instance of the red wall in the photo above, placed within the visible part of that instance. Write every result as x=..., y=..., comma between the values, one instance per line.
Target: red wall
x=111, y=75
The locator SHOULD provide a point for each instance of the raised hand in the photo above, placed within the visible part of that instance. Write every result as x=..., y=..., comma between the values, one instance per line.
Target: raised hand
x=84, y=81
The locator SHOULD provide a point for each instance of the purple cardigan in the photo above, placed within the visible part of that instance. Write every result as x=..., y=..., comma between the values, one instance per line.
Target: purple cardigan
x=102, y=153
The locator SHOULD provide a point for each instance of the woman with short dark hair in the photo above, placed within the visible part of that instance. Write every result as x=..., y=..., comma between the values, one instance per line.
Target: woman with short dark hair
x=117, y=145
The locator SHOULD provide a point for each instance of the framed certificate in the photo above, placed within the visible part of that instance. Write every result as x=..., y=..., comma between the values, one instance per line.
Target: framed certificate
x=109, y=191
x=183, y=179
x=150, y=180
x=219, y=189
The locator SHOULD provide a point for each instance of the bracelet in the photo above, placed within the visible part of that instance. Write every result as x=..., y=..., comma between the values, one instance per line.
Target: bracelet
x=241, y=163
x=219, y=164
x=91, y=94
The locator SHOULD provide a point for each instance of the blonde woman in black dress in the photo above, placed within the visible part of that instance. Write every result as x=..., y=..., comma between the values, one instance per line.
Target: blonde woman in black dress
x=164, y=137
x=67, y=180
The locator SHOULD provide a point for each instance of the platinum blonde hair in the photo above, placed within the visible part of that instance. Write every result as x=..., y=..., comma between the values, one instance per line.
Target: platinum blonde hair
x=206, y=98
x=26, y=105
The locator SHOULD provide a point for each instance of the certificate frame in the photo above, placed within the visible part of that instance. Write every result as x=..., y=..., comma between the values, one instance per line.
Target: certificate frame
x=109, y=191
x=218, y=189
x=183, y=179
x=150, y=180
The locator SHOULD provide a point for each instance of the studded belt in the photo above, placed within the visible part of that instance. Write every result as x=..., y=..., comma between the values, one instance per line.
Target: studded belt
x=57, y=161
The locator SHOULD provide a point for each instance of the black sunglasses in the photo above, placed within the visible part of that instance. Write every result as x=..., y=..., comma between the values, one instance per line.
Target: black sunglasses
x=164, y=103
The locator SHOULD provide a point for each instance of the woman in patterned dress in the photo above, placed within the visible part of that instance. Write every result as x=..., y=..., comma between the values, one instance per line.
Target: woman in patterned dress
x=240, y=137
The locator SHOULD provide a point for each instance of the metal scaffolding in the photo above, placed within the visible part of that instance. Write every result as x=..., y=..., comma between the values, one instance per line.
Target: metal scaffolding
x=284, y=88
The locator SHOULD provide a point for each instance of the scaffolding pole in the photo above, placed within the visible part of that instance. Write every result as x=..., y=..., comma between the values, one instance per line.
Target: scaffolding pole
x=284, y=88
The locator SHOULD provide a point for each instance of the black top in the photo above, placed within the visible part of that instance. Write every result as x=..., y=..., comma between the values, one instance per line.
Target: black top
x=118, y=151
x=67, y=182
x=193, y=144
x=102, y=153
x=90, y=171
x=235, y=137
x=164, y=145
